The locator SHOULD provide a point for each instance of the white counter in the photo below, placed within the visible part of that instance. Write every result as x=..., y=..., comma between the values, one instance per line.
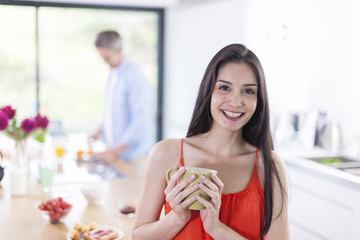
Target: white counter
x=324, y=201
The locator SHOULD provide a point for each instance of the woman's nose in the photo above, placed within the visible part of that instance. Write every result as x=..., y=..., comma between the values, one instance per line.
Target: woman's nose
x=236, y=100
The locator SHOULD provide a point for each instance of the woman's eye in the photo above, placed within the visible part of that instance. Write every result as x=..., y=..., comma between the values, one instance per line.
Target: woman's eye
x=224, y=88
x=249, y=91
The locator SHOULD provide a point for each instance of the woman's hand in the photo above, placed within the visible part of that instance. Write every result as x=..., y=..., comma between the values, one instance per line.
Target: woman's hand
x=175, y=193
x=210, y=215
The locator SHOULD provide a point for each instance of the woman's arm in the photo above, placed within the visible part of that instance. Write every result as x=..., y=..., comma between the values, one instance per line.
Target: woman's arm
x=148, y=224
x=279, y=228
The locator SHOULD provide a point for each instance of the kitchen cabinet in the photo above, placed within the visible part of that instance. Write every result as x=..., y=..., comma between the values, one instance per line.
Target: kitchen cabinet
x=324, y=203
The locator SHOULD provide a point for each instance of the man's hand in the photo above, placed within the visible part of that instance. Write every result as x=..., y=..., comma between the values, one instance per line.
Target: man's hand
x=112, y=155
x=93, y=137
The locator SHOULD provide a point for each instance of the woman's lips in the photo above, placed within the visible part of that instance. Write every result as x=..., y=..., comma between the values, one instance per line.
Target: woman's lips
x=232, y=115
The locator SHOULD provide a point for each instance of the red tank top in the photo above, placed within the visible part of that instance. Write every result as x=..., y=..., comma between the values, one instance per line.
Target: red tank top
x=242, y=211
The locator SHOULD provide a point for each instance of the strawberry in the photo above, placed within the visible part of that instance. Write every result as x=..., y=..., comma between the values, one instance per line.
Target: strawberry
x=42, y=206
x=64, y=205
x=56, y=208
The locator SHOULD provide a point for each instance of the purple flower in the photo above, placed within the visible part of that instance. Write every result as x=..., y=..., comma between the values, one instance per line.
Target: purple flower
x=3, y=120
x=9, y=111
x=41, y=121
x=28, y=125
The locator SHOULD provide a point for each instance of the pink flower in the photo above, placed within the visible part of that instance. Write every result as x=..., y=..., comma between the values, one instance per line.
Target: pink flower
x=41, y=121
x=28, y=125
x=3, y=120
x=9, y=111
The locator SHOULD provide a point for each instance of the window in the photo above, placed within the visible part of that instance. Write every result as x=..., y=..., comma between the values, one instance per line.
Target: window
x=17, y=59
x=72, y=75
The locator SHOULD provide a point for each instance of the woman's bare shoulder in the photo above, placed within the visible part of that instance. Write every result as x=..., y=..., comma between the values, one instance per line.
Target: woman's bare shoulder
x=281, y=169
x=279, y=161
x=166, y=152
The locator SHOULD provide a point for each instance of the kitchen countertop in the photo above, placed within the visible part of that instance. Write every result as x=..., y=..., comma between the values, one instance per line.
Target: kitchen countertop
x=297, y=157
x=20, y=219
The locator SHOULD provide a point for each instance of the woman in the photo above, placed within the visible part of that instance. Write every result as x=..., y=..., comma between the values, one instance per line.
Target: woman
x=229, y=132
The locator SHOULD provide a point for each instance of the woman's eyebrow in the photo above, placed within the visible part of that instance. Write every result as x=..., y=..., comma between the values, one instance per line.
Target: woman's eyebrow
x=246, y=85
x=224, y=81
x=251, y=85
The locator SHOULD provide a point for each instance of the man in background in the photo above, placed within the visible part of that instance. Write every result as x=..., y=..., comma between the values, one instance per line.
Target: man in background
x=128, y=116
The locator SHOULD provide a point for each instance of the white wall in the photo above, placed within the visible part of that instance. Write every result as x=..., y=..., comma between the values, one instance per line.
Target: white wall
x=194, y=33
x=309, y=49
x=310, y=52
x=335, y=65
x=278, y=32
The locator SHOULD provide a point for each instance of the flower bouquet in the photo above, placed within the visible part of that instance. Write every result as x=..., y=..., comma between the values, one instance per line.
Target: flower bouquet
x=19, y=131
x=35, y=127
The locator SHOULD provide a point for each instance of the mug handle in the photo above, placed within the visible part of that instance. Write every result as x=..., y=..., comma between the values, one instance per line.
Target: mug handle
x=168, y=173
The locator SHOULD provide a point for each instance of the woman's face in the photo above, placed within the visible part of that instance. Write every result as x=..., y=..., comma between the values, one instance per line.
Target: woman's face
x=234, y=98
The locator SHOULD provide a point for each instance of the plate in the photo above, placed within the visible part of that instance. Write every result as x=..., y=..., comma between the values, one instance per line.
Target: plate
x=118, y=230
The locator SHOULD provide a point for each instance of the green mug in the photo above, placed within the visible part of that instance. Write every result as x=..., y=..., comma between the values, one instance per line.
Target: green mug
x=197, y=172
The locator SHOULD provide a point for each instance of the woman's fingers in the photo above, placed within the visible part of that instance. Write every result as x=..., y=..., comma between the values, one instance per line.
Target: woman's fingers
x=178, y=193
x=218, y=182
x=180, y=198
x=213, y=189
x=204, y=202
x=216, y=186
x=173, y=180
x=187, y=201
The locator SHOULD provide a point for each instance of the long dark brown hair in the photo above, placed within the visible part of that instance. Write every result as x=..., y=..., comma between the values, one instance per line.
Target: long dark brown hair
x=256, y=131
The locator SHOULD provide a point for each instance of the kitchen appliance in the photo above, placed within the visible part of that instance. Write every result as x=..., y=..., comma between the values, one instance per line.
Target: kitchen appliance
x=1, y=167
x=330, y=136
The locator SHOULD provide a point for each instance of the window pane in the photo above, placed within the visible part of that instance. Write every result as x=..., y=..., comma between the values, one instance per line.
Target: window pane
x=17, y=59
x=72, y=74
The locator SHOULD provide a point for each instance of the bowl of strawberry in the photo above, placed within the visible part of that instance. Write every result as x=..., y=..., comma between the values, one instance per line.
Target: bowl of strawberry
x=54, y=209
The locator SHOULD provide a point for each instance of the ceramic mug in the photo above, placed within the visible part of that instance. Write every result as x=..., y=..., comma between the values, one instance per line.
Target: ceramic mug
x=197, y=172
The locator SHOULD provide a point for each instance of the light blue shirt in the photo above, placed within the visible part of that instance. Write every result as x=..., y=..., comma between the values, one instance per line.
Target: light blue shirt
x=131, y=110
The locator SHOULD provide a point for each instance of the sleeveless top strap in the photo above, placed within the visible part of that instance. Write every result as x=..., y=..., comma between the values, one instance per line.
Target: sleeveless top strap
x=181, y=153
x=256, y=157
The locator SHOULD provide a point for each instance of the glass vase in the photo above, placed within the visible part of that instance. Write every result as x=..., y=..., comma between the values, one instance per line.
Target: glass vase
x=18, y=170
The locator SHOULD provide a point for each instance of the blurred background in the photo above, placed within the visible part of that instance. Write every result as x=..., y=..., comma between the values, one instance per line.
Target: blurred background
x=309, y=50
x=49, y=63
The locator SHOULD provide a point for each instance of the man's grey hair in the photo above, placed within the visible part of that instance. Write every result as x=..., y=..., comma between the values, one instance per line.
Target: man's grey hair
x=109, y=39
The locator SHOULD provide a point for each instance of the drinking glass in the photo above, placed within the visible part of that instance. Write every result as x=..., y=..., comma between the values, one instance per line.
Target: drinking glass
x=47, y=172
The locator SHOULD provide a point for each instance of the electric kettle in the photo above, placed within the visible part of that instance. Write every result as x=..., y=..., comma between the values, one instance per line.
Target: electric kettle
x=330, y=136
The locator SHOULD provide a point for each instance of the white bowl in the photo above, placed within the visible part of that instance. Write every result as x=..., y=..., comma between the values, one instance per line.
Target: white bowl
x=94, y=192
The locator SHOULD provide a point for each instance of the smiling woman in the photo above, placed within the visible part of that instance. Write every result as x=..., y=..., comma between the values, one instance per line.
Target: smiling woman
x=235, y=96
x=230, y=133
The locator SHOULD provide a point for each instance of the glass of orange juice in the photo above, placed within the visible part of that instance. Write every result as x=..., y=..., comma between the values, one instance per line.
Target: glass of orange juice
x=59, y=151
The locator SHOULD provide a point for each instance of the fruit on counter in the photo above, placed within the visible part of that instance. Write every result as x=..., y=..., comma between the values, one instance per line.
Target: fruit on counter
x=84, y=155
x=79, y=155
x=56, y=208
